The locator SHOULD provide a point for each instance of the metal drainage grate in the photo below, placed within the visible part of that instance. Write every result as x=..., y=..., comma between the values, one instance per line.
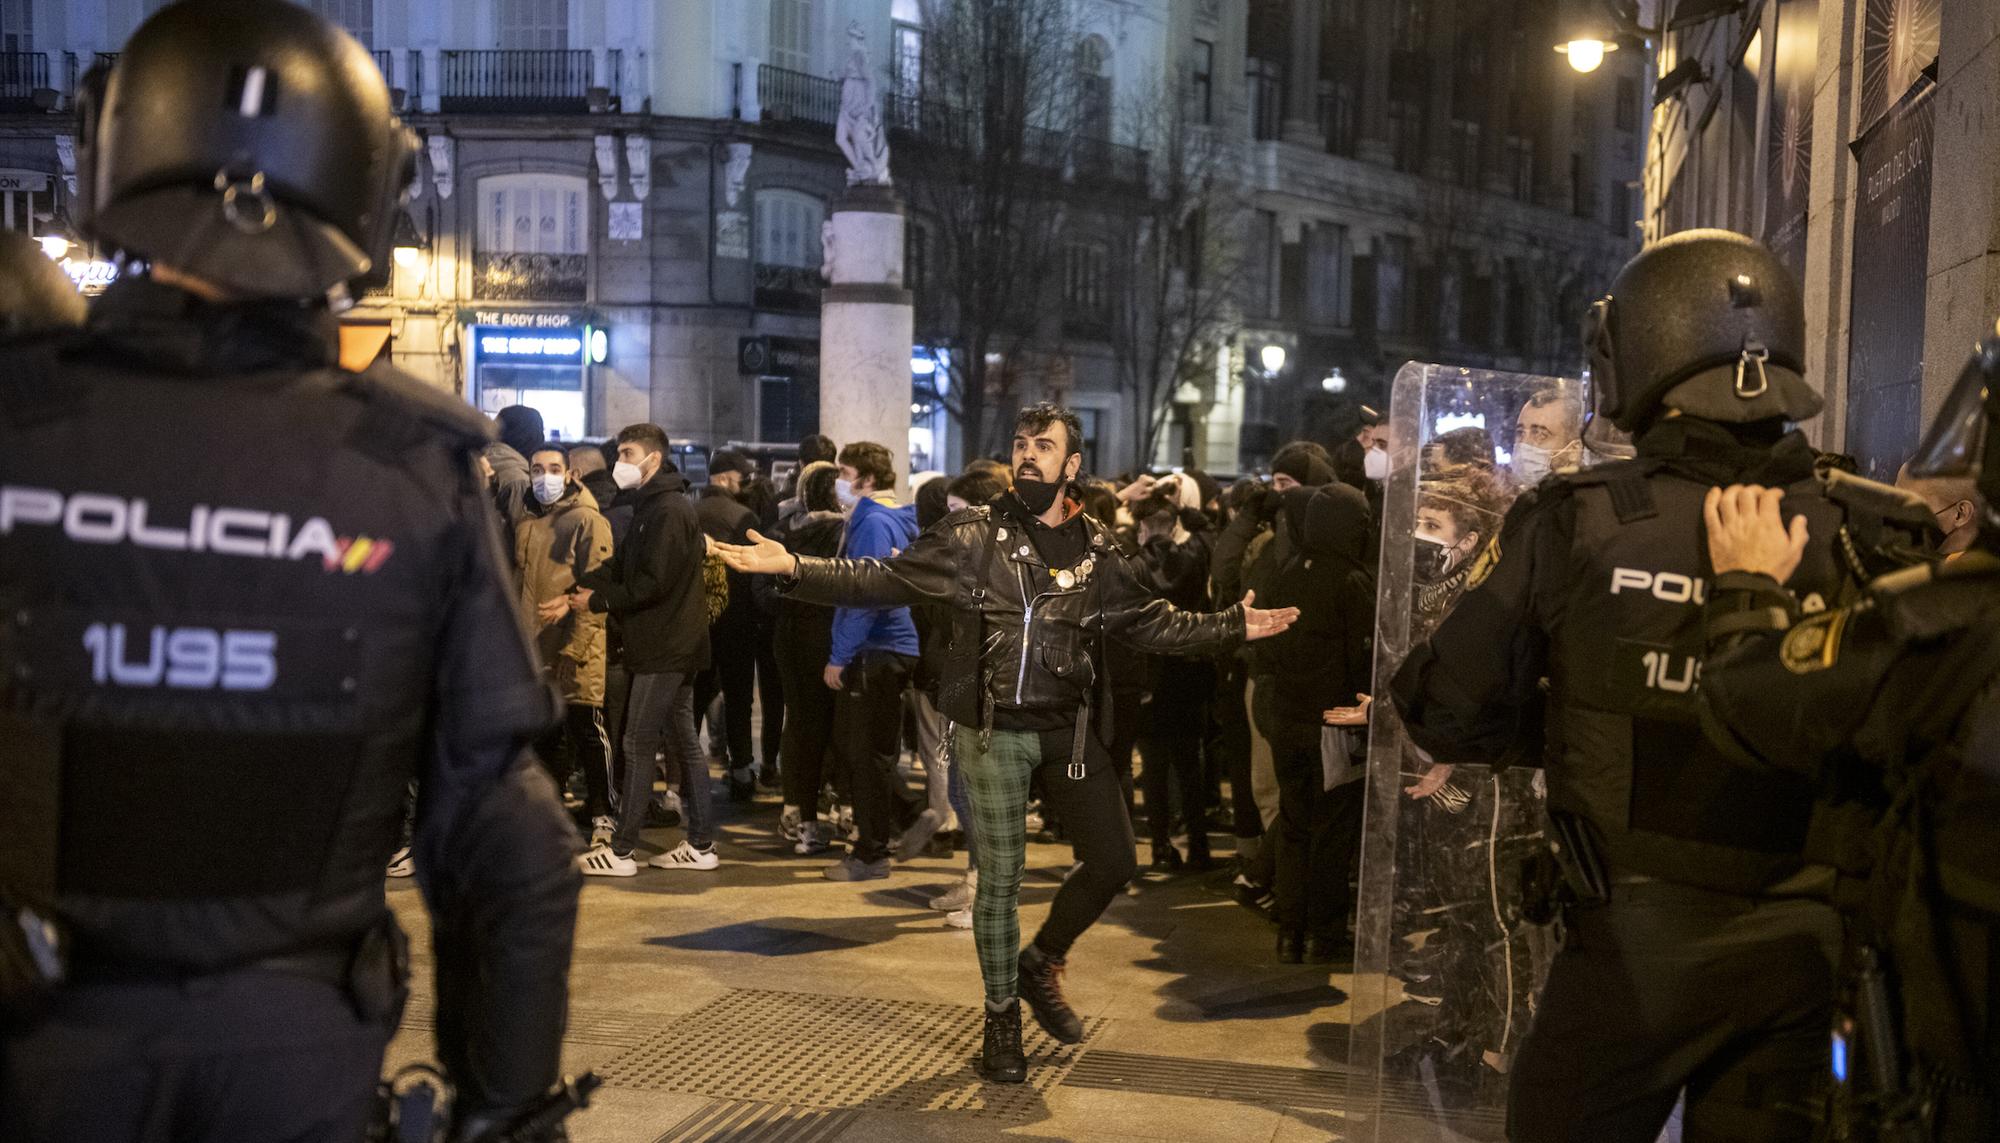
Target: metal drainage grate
x=603, y=1026
x=796, y=1048
x=761, y=1123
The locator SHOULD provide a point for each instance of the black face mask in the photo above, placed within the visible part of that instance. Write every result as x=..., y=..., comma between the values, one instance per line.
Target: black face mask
x=1037, y=496
x=1433, y=560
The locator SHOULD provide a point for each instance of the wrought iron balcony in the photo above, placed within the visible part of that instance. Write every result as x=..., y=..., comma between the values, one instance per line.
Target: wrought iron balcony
x=515, y=81
x=795, y=96
x=21, y=75
x=531, y=277
x=787, y=287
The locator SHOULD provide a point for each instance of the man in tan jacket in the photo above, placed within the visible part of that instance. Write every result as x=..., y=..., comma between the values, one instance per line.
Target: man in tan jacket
x=563, y=536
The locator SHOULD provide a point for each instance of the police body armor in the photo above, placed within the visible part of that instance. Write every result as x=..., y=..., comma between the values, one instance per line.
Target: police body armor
x=222, y=593
x=1626, y=745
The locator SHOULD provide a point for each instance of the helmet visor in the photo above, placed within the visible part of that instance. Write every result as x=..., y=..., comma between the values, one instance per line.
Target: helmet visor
x=1956, y=442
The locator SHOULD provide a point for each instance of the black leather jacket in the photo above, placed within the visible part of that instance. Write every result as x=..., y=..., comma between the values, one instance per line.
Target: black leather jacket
x=1020, y=636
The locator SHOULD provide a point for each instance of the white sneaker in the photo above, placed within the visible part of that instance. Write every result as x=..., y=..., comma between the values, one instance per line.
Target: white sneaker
x=672, y=801
x=602, y=828
x=812, y=840
x=789, y=822
x=844, y=826
x=958, y=896
x=959, y=919
x=601, y=862
x=685, y=856
x=400, y=864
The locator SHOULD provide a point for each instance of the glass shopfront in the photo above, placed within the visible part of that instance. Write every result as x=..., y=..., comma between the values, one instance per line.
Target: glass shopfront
x=541, y=359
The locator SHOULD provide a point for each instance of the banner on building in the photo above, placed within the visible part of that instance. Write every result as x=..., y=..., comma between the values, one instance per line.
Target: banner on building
x=1789, y=159
x=1885, y=360
x=1899, y=39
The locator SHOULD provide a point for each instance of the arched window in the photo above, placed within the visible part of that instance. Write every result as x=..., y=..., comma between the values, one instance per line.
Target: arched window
x=788, y=229
x=534, y=23
x=534, y=214
x=791, y=34
x=357, y=16
x=1093, y=88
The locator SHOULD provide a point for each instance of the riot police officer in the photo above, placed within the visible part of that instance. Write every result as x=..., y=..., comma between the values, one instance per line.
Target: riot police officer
x=245, y=598
x=1892, y=708
x=1697, y=958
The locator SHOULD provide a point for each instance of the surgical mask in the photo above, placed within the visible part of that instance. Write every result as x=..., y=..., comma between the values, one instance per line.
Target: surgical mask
x=843, y=491
x=1433, y=559
x=1376, y=464
x=1531, y=464
x=627, y=475
x=549, y=488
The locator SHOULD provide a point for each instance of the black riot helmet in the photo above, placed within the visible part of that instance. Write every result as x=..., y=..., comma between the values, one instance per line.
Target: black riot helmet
x=1708, y=322
x=36, y=297
x=1960, y=442
x=249, y=143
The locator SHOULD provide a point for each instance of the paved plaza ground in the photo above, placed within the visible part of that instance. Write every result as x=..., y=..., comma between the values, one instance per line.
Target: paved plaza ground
x=761, y=1002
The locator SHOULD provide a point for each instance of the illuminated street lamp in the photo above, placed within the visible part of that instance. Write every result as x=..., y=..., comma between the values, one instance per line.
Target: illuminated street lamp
x=1272, y=357
x=1586, y=54
x=405, y=243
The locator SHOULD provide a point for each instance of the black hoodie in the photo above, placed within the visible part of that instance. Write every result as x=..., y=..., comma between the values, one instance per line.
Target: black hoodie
x=1327, y=656
x=652, y=582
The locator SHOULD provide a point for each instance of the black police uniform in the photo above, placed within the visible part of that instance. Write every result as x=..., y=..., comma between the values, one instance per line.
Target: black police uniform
x=1699, y=958
x=1892, y=708
x=245, y=597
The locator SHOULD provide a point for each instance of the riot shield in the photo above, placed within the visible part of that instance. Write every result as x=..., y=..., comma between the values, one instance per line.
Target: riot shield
x=1447, y=970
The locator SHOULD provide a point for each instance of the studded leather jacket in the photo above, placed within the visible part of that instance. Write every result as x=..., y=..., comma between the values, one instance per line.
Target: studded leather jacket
x=1022, y=634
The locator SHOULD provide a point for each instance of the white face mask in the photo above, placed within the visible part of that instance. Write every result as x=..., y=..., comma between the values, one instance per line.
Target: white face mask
x=843, y=491
x=549, y=488
x=1531, y=464
x=627, y=475
x=1376, y=464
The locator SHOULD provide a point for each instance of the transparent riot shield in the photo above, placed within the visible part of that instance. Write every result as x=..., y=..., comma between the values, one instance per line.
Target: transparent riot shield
x=1447, y=970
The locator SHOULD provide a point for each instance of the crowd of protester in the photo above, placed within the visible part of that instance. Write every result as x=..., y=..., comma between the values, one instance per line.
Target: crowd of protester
x=654, y=643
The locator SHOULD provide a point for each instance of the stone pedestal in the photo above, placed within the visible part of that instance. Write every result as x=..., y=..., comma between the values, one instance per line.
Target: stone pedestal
x=866, y=327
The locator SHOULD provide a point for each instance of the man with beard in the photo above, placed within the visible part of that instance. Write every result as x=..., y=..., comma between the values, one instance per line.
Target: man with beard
x=1035, y=589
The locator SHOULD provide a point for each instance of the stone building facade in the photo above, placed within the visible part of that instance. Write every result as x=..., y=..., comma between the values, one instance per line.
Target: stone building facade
x=1860, y=138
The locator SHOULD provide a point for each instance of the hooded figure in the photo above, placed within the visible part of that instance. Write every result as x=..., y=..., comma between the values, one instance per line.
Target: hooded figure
x=1327, y=657
x=521, y=432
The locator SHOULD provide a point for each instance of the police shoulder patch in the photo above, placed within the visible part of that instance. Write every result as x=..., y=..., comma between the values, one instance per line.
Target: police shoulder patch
x=1814, y=645
x=1483, y=564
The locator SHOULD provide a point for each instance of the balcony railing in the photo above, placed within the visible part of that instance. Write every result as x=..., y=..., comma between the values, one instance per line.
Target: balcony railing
x=794, y=95
x=787, y=287
x=21, y=75
x=515, y=81
x=531, y=277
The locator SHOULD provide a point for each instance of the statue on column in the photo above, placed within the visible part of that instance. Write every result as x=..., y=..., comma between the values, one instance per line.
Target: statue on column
x=859, y=131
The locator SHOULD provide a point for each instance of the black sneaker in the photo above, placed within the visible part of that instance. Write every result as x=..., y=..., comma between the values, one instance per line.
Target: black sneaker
x=1291, y=947
x=1167, y=859
x=1041, y=986
x=1321, y=949
x=769, y=777
x=1000, y=1059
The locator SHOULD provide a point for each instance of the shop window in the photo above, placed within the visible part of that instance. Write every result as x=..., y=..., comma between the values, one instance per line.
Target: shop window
x=534, y=237
x=791, y=34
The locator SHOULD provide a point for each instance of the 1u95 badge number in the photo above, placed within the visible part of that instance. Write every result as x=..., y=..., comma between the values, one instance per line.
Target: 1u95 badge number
x=181, y=658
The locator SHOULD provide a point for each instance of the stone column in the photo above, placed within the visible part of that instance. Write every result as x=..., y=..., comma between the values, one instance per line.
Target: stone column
x=1302, y=77
x=866, y=327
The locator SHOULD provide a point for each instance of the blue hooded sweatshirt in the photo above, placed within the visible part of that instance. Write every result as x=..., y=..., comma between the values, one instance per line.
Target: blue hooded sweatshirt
x=875, y=531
